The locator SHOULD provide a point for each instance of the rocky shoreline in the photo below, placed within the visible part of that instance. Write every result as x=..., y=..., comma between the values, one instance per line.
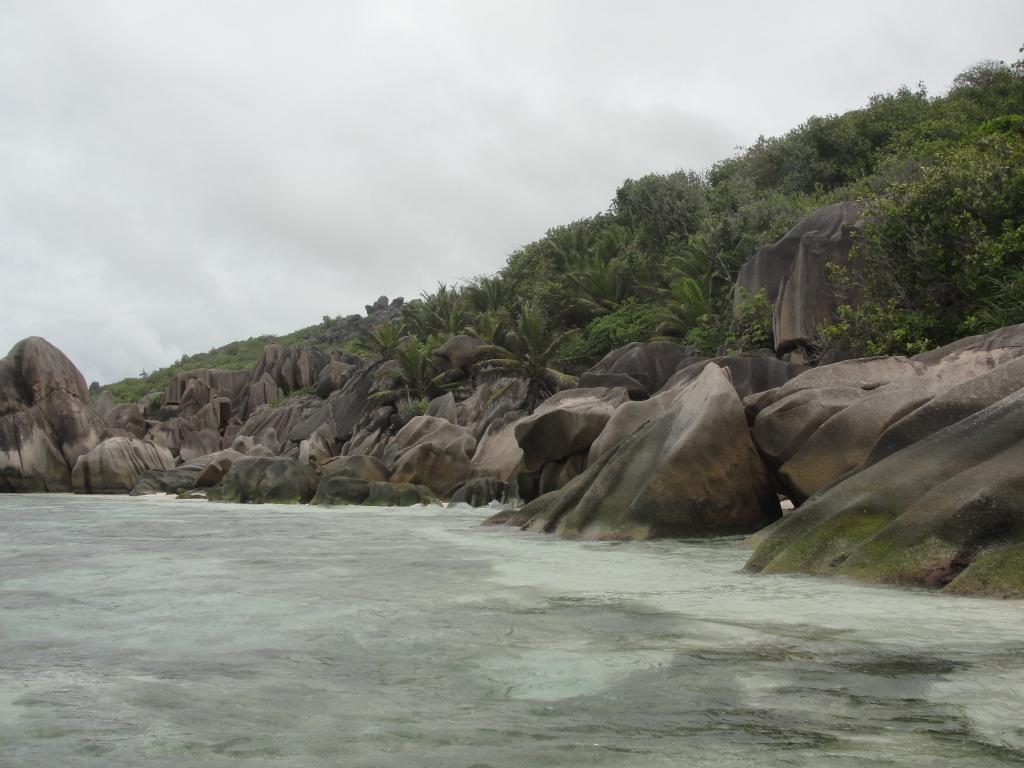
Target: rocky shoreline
x=902, y=470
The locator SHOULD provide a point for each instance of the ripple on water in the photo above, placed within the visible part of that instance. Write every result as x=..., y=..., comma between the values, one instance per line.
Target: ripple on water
x=189, y=634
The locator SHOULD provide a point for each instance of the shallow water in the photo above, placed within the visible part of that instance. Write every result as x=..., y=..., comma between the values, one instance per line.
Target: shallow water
x=160, y=632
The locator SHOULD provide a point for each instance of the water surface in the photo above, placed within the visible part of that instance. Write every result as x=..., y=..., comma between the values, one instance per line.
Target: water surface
x=159, y=632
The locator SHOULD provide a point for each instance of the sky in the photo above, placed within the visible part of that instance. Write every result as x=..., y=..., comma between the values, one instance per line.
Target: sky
x=178, y=175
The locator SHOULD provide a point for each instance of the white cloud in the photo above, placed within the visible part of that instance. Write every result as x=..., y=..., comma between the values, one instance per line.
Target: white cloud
x=175, y=176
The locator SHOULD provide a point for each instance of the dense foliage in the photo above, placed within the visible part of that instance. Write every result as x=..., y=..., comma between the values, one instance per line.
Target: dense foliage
x=942, y=254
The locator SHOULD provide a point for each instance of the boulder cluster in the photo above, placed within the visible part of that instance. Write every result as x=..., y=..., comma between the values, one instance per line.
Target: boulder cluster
x=901, y=470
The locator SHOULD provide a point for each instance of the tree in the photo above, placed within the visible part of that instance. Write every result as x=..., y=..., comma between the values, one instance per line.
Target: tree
x=529, y=352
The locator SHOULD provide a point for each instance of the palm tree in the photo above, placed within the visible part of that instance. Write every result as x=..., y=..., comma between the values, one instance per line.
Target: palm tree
x=530, y=353
x=385, y=338
x=688, y=300
x=418, y=377
x=597, y=286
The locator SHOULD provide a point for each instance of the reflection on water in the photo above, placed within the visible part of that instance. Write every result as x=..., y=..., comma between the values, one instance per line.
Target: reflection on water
x=158, y=632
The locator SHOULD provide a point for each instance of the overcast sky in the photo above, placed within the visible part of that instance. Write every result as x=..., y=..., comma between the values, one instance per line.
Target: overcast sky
x=177, y=175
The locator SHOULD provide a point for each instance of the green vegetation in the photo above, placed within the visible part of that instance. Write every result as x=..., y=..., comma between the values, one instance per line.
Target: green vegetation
x=942, y=254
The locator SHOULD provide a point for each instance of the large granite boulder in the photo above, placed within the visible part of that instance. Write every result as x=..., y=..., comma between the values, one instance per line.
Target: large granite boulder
x=566, y=424
x=340, y=490
x=201, y=443
x=835, y=419
x=460, y=351
x=128, y=417
x=276, y=480
x=498, y=454
x=481, y=491
x=750, y=372
x=433, y=452
x=945, y=511
x=642, y=368
x=360, y=466
x=114, y=465
x=173, y=481
x=692, y=471
x=492, y=401
x=333, y=377
x=212, y=468
x=793, y=273
x=628, y=418
x=46, y=422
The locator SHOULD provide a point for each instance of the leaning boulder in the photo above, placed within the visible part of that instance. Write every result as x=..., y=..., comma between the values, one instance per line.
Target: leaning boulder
x=793, y=273
x=114, y=465
x=641, y=368
x=565, y=424
x=691, y=471
x=276, y=480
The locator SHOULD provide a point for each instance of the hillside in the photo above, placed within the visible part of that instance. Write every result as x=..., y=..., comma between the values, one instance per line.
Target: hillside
x=942, y=254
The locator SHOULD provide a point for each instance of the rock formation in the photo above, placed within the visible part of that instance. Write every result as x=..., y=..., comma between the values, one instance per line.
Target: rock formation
x=691, y=471
x=114, y=465
x=46, y=422
x=794, y=276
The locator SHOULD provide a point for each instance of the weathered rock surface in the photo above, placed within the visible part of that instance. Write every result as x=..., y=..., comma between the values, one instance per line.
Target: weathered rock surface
x=793, y=273
x=46, y=422
x=114, y=465
x=460, y=351
x=923, y=515
x=198, y=444
x=276, y=480
x=333, y=377
x=641, y=368
x=565, y=424
x=229, y=384
x=165, y=481
x=212, y=468
x=433, y=452
x=481, y=491
x=128, y=417
x=339, y=490
x=750, y=372
x=498, y=454
x=692, y=471
x=361, y=467
x=830, y=421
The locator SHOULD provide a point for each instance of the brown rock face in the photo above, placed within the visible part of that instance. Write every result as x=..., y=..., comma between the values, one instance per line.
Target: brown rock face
x=114, y=465
x=565, y=424
x=793, y=273
x=459, y=351
x=46, y=422
x=360, y=467
x=641, y=368
x=944, y=511
x=433, y=452
x=498, y=454
x=691, y=471
x=836, y=419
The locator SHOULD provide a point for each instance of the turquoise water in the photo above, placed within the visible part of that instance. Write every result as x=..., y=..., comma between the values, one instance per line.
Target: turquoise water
x=160, y=632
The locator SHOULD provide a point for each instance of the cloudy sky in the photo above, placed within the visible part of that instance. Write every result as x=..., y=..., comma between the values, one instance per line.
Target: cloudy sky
x=177, y=175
